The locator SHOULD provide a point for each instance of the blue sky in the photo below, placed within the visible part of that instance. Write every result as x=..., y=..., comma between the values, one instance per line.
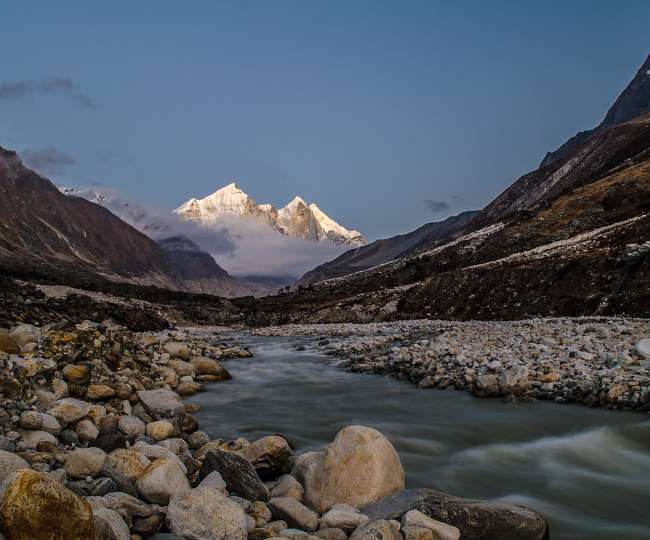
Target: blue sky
x=369, y=108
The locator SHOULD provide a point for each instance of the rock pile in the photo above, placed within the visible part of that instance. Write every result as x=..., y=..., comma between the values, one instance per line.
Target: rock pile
x=597, y=362
x=95, y=442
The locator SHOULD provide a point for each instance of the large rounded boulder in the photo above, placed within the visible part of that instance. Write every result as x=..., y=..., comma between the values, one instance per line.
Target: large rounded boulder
x=360, y=466
x=207, y=514
x=35, y=506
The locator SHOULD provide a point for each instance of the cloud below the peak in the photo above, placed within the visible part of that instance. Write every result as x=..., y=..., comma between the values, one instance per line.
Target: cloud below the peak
x=242, y=247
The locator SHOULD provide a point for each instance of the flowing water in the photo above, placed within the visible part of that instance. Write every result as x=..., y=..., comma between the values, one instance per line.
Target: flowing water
x=586, y=470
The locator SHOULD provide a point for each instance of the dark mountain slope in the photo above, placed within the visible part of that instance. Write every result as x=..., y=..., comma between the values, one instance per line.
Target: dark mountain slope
x=39, y=222
x=389, y=249
x=199, y=271
x=72, y=234
x=634, y=100
x=570, y=238
x=586, y=157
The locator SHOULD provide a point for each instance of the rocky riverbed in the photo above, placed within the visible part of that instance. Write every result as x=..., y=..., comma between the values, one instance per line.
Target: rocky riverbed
x=96, y=442
x=602, y=362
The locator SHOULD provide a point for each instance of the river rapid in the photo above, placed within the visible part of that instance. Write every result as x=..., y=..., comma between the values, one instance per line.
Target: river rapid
x=587, y=470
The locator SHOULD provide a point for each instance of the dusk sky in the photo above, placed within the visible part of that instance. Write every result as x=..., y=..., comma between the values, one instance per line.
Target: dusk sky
x=387, y=114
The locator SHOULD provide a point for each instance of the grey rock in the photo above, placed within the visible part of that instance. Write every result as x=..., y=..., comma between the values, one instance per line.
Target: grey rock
x=161, y=403
x=10, y=463
x=294, y=513
x=476, y=519
x=239, y=475
x=206, y=514
x=380, y=529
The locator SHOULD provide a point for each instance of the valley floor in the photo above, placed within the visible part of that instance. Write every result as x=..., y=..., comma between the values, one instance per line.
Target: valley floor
x=601, y=362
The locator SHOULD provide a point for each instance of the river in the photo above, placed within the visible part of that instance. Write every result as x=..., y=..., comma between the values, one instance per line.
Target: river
x=586, y=470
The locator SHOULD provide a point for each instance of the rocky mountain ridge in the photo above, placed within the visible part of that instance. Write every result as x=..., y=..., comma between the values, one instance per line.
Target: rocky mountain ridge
x=51, y=230
x=298, y=218
x=570, y=238
x=618, y=142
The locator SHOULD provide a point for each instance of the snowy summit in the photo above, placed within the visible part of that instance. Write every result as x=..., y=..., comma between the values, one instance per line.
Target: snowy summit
x=298, y=218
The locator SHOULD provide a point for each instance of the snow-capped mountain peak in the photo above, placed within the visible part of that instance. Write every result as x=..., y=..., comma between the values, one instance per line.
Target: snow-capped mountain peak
x=297, y=218
x=332, y=227
x=297, y=200
x=227, y=201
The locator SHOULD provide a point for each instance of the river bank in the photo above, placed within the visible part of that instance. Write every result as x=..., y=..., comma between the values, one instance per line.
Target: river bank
x=95, y=442
x=602, y=362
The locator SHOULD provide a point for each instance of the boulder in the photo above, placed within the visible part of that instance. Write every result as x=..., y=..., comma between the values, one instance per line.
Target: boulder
x=417, y=533
x=109, y=524
x=127, y=504
x=331, y=534
x=197, y=439
x=162, y=479
x=360, y=466
x=32, y=438
x=31, y=420
x=99, y=392
x=69, y=410
x=84, y=462
x=110, y=440
x=181, y=367
x=25, y=333
x=50, y=424
x=514, y=380
x=10, y=463
x=34, y=366
x=268, y=455
x=206, y=514
x=294, y=513
x=343, y=516
x=208, y=366
x=124, y=484
x=442, y=531
x=35, y=506
x=213, y=481
x=86, y=430
x=189, y=388
x=288, y=486
x=376, y=530
x=487, y=385
x=156, y=451
x=476, y=519
x=7, y=343
x=642, y=348
x=176, y=349
x=131, y=426
x=78, y=373
x=237, y=472
x=129, y=462
x=160, y=430
x=161, y=403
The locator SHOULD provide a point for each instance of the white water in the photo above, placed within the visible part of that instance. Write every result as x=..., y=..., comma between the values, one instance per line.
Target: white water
x=586, y=470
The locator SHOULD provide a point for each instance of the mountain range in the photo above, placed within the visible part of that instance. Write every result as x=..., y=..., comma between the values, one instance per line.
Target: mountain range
x=571, y=237
x=297, y=218
x=620, y=138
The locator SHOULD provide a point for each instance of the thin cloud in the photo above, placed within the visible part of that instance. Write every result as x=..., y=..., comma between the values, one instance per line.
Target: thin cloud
x=241, y=247
x=437, y=206
x=49, y=160
x=62, y=86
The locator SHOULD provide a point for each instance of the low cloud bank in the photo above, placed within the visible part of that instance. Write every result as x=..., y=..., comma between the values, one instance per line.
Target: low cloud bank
x=241, y=247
